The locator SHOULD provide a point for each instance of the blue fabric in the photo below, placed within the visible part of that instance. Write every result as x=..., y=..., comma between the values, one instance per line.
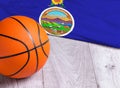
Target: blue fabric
x=96, y=21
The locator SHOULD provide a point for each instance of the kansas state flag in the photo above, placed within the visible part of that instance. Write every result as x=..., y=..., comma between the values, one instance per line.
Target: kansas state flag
x=96, y=21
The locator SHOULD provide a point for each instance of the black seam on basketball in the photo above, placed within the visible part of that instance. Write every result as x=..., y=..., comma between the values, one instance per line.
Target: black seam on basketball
x=28, y=58
x=8, y=57
x=41, y=41
x=27, y=52
x=30, y=36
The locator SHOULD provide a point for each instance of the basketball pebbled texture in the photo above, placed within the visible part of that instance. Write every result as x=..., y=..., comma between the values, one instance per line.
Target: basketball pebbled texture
x=24, y=47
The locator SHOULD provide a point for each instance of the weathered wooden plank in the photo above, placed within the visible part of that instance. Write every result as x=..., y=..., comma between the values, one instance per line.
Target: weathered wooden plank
x=106, y=62
x=71, y=65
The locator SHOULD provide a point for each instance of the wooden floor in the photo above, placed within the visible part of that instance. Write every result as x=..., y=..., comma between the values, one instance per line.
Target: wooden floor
x=74, y=64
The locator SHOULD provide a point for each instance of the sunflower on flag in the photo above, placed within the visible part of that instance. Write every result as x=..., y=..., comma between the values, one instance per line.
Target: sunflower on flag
x=57, y=2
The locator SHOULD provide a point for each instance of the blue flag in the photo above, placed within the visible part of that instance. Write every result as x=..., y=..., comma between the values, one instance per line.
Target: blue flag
x=96, y=21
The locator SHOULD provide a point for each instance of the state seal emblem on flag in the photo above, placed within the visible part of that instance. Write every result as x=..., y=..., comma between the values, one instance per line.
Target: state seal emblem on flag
x=56, y=20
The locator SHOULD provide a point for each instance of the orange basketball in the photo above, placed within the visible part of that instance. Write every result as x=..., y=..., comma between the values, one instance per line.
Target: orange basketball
x=24, y=47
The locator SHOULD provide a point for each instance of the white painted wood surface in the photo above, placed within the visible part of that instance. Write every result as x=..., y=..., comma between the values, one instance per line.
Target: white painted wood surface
x=106, y=62
x=74, y=64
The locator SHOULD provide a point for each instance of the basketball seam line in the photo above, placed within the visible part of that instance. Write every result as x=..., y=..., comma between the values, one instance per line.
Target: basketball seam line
x=41, y=41
x=27, y=60
x=7, y=57
x=27, y=52
x=30, y=36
